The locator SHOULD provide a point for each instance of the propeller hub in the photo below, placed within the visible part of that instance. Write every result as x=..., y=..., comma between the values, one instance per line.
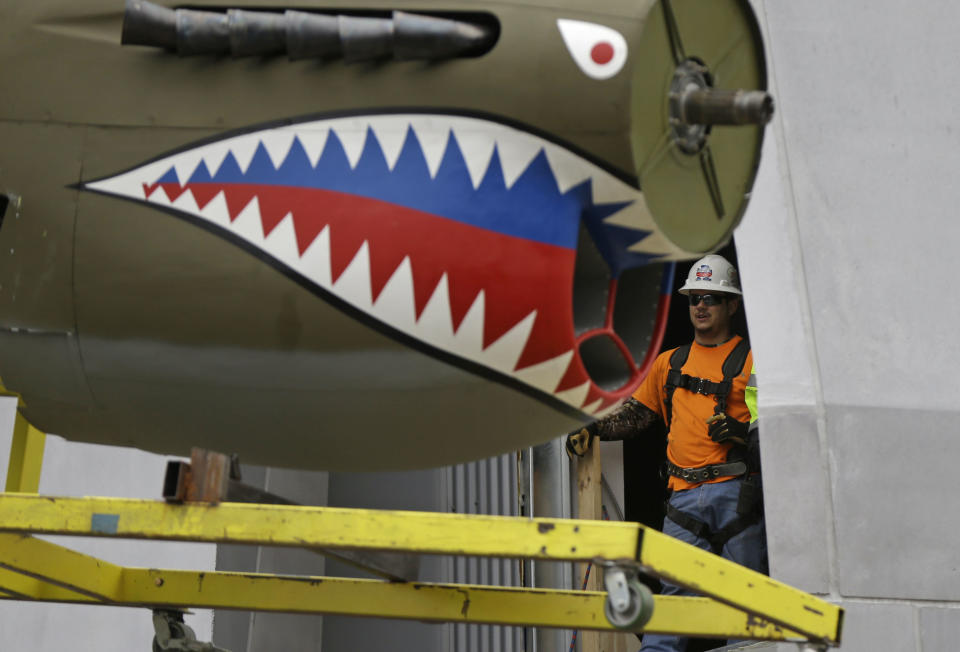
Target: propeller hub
x=695, y=106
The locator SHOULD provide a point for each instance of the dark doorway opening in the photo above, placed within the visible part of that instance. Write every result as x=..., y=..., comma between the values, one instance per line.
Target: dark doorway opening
x=644, y=458
x=4, y=203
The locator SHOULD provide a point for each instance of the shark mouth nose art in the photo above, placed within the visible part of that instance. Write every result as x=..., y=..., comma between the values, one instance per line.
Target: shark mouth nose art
x=457, y=234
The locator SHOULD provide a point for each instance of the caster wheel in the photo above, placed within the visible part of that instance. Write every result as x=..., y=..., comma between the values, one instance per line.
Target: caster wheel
x=177, y=631
x=638, y=611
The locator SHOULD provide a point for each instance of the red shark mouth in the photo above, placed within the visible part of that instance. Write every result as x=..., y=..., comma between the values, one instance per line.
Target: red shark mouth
x=474, y=260
x=517, y=277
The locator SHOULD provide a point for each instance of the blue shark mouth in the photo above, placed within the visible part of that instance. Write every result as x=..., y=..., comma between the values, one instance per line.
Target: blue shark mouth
x=460, y=232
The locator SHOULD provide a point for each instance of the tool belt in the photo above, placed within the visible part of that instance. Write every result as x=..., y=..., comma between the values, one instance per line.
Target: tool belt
x=709, y=472
x=749, y=508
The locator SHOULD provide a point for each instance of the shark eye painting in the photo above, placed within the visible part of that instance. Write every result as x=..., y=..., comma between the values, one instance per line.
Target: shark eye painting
x=599, y=51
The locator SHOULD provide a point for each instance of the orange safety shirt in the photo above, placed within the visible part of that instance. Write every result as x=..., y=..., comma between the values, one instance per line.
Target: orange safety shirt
x=688, y=443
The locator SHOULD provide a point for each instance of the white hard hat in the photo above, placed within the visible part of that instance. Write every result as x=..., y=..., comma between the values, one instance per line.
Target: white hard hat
x=712, y=273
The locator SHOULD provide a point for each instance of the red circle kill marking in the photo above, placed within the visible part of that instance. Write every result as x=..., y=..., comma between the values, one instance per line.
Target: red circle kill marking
x=602, y=53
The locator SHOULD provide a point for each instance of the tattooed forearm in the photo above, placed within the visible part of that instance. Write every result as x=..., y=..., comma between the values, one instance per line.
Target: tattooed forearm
x=631, y=419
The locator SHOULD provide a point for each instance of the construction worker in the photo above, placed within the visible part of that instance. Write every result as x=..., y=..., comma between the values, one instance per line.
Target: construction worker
x=705, y=392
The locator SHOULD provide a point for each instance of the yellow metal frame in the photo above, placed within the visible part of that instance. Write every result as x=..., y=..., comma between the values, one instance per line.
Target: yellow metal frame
x=26, y=453
x=738, y=602
x=38, y=570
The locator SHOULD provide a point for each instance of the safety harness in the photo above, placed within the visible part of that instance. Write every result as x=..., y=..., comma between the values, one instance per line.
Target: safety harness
x=740, y=461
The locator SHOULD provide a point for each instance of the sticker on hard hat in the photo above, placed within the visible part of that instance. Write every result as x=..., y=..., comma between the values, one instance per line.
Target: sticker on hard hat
x=704, y=273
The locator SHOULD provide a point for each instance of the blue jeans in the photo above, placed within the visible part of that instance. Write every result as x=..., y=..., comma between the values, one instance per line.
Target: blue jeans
x=716, y=505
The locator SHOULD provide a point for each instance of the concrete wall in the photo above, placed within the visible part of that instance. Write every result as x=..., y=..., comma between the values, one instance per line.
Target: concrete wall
x=847, y=254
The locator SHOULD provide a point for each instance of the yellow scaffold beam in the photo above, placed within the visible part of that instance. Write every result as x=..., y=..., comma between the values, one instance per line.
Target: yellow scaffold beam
x=26, y=457
x=754, y=594
x=67, y=569
x=31, y=566
x=732, y=584
x=327, y=527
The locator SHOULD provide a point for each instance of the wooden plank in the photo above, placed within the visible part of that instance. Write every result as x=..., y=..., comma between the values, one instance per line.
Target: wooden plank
x=590, y=506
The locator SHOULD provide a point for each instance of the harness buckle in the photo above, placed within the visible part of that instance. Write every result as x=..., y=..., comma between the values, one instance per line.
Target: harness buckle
x=695, y=385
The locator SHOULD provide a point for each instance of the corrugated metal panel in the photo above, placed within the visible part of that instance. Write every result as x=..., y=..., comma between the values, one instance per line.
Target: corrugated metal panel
x=485, y=487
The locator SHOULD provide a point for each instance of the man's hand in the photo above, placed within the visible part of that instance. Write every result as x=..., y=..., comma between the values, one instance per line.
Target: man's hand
x=578, y=442
x=725, y=428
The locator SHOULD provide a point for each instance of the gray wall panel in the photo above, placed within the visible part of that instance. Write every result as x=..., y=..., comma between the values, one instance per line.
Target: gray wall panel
x=795, y=483
x=231, y=629
x=872, y=627
x=485, y=487
x=243, y=631
x=274, y=631
x=871, y=151
x=939, y=629
x=850, y=235
x=409, y=490
x=896, y=510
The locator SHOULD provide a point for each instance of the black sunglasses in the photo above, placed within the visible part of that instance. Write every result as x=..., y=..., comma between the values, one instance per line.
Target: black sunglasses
x=708, y=299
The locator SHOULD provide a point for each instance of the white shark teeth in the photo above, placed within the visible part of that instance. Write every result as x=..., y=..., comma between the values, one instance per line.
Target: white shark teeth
x=433, y=140
x=395, y=305
x=656, y=244
x=248, y=224
x=315, y=262
x=435, y=322
x=567, y=169
x=477, y=147
x=186, y=163
x=545, y=376
x=213, y=156
x=353, y=285
x=635, y=216
x=277, y=142
x=216, y=211
x=282, y=241
x=159, y=196
x=186, y=203
x=243, y=148
x=504, y=353
x=574, y=396
x=352, y=133
x=313, y=141
x=516, y=155
x=589, y=409
x=468, y=340
x=608, y=189
x=391, y=133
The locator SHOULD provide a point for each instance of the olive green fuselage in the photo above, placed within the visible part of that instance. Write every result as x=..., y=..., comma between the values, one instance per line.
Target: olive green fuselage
x=121, y=324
